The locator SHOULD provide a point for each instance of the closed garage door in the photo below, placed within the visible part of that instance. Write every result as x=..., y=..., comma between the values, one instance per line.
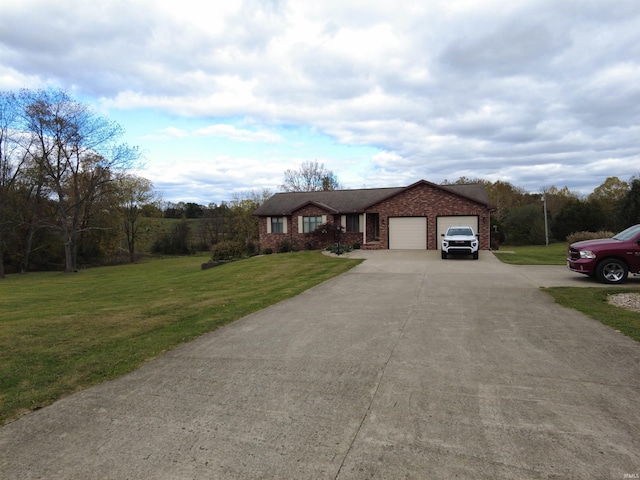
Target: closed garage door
x=442, y=223
x=408, y=233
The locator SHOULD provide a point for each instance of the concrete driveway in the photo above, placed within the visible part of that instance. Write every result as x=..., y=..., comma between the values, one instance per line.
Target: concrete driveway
x=407, y=366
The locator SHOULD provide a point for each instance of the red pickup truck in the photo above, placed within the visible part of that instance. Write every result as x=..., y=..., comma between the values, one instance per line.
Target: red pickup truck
x=608, y=259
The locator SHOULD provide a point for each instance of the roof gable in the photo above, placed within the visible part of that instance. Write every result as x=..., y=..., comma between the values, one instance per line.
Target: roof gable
x=475, y=192
x=323, y=206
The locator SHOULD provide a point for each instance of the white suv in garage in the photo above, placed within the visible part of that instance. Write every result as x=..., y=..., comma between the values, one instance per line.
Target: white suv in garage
x=460, y=241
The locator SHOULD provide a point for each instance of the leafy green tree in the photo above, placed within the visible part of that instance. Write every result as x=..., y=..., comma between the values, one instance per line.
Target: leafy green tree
x=193, y=210
x=504, y=196
x=174, y=242
x=578, y=216
x=629, y=212
x=524, y=225
x=609, y=196
x=612, y=190
x=244, y=224
x=134, y=193
x=557, y=199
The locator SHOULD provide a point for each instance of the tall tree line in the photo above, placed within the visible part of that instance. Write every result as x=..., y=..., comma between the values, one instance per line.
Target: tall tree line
x=519, y=216
x=60, y=169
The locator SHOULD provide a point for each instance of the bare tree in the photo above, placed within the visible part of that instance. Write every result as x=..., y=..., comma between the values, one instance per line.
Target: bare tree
x=310, y=177
x=12, y=160
x=33, y=208
x=76, y=151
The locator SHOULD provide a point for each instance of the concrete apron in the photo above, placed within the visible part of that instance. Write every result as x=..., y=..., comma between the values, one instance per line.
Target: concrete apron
x=408, y=366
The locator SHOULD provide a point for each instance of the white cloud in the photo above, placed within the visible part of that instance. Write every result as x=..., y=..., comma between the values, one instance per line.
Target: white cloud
x=491, y=89
x=238, y=135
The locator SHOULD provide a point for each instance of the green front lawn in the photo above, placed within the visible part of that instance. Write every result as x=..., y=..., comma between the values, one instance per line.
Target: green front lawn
x=62, y=333
x=590, y=301
x=552, y=254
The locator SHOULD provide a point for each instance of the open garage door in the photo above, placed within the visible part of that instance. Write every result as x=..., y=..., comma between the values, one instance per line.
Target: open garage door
x=409, y=233
x=442, y=223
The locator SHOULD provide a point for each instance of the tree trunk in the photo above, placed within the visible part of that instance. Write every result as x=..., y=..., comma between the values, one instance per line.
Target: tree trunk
x=132, y=248
x=68, y=255
x=28, y=246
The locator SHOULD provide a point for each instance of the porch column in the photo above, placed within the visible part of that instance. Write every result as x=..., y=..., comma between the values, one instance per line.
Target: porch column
x=364, y=228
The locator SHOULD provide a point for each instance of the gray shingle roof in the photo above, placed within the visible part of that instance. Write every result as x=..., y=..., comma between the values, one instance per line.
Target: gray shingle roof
x=474, y=191
x=355, y=201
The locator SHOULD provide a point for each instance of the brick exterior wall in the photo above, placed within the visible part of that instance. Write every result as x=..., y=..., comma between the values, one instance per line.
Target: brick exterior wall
x=302, y=241
x=422, y=200
x=426, y=201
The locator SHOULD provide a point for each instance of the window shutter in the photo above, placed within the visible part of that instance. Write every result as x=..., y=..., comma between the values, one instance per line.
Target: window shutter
x=361, y=223
x=268, y=224
x=300, y=227
x=343, y=222
x=324, y=219
x=284, y=224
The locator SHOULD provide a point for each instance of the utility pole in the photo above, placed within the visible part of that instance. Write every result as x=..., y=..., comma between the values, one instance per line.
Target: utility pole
x=546, y=225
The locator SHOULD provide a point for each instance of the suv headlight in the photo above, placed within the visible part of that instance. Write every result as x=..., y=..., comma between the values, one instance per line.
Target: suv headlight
x=587, y=254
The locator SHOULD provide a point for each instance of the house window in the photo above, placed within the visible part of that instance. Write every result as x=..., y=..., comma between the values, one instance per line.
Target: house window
x=353, y=223
x=277, y=224
x=309, y=224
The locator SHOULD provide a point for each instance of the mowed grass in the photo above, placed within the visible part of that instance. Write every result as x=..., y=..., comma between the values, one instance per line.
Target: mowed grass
x=552, y=254
x=593, y=303
x=62, y=333
x=590, y=301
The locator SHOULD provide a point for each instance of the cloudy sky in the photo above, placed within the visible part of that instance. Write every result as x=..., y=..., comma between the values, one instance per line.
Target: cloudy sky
x=224, y=96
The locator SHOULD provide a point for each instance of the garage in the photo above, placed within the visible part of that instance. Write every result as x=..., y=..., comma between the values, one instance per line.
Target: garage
x=408, y=233
x=444, y=222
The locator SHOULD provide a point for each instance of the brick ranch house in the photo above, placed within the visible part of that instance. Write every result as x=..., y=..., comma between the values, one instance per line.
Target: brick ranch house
x=410, y=217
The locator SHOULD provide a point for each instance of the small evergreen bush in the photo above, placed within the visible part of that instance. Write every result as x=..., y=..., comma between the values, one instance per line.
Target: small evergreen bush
x=251, y=249
x=338, y=248
x=226, y=250
x=284, y=246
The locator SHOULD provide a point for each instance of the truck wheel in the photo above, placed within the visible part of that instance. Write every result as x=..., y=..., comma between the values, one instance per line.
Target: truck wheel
x=475, y=255
x=443, y=254
x=612, y=270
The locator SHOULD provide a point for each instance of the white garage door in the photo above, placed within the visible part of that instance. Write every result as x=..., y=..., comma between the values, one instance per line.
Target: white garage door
x=408, y=233
x=442, y=223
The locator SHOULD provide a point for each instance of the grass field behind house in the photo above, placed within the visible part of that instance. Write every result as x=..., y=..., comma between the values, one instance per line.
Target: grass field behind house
x=62, y=333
